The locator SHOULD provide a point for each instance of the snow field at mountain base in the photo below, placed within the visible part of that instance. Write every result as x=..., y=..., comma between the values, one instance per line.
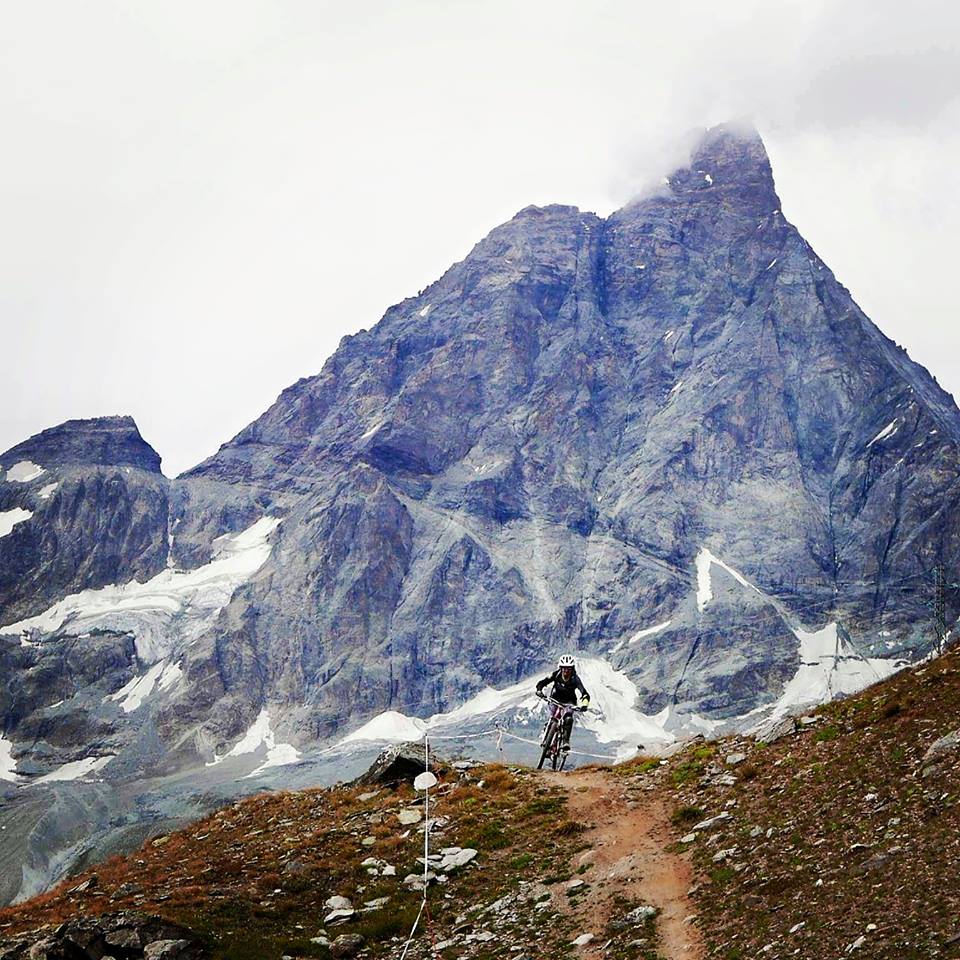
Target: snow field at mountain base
x=612, y=718
x=828, y=667
x=260, y=739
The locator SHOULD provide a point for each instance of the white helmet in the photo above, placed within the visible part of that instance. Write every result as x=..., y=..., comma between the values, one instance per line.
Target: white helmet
x=566, y=660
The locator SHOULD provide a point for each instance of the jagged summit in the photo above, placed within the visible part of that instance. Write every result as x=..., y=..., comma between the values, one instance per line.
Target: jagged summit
x=732, y=146
x=732, y=159
x=728, y=175
x=103, y=441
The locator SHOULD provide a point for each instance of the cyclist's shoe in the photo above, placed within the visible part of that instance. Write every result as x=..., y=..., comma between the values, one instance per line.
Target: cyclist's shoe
x=565, y=747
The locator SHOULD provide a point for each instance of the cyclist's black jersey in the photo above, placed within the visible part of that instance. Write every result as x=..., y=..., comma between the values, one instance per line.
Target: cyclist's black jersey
x=564, y=691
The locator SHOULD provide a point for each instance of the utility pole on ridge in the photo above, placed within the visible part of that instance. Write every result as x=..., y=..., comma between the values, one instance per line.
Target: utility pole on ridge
x=940, y=606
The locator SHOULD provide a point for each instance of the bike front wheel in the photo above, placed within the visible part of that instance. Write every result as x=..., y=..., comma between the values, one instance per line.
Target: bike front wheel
x=547, y=744
x=556, y=755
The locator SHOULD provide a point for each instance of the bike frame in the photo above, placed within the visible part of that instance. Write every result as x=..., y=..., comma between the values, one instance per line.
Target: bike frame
x=552, y=735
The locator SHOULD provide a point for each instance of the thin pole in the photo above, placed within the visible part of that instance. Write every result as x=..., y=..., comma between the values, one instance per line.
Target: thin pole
x=426, y=814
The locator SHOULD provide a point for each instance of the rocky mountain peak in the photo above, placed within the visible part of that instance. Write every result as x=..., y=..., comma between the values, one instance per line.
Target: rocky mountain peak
x=100, y=441
x=729, y=165
x=733, y=147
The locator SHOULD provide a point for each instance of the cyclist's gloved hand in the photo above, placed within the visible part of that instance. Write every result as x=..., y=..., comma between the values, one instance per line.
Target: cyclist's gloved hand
x=541, y=695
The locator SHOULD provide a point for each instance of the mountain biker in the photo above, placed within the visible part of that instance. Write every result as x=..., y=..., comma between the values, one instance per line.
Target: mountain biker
x=566, y=682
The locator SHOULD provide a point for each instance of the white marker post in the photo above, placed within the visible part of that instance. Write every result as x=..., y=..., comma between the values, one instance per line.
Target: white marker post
x=424, y=782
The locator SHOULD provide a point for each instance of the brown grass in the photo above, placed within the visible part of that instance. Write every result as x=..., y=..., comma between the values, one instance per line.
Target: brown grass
x=220, y=875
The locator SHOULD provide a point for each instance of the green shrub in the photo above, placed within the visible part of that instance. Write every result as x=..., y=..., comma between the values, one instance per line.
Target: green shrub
x=824, y=734
x=685, y=815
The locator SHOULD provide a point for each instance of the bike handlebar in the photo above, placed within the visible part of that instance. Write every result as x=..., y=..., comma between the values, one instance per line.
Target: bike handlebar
x=565, y=706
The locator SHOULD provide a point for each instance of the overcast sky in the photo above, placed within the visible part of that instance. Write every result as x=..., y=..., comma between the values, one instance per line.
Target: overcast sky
x=199, y=199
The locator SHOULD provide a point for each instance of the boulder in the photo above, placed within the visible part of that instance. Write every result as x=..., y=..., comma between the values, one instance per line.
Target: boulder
x=123, y=936
x=711, y=822
x=401, y=762
x=169, y=950
x=461, y=858
x=944, y=747
x=775, y=728
x=345, y=946
x=339, y=916
x=338, y=903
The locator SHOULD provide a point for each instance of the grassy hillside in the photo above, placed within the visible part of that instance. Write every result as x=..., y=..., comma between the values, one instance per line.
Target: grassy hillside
x=252, y=879
x=841, y=837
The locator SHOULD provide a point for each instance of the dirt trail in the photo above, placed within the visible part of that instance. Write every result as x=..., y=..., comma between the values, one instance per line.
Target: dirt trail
x=629, y=857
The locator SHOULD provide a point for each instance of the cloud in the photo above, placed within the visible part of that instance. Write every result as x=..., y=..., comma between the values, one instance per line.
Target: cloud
x=903, y=90
x=200, y=201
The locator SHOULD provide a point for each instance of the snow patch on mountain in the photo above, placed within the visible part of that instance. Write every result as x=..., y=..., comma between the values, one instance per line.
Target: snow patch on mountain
x=261, y=737
x=829, y=667
x=616, y=696
x=24, y=472
x=640, y=634
x=279, y=755
x=45, y=493
x=74, y=770
x=174, y=606
x=888, y=431
x=8, y=765
x=389, y=727
x=161, y=675
x=649, y=631
x=10, y=518
x=258, y=733
x=705, y=559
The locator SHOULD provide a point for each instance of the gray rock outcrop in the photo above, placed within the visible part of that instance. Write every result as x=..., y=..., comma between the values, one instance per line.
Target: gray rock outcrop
x=123, y=935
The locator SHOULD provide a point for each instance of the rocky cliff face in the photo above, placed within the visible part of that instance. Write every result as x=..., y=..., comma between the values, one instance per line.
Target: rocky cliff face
x=668, y=439
x=93, y=509
x=530, y=456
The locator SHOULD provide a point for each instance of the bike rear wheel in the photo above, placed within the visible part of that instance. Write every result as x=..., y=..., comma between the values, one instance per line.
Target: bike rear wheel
x=548, y=738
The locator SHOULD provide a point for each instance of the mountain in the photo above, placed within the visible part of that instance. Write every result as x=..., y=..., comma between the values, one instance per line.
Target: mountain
x=668, y=441
x=531, y=455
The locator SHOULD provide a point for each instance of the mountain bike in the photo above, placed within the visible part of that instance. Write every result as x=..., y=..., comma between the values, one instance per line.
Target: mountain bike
x=552, y=740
